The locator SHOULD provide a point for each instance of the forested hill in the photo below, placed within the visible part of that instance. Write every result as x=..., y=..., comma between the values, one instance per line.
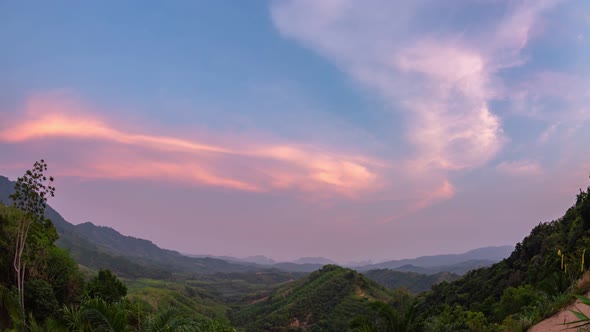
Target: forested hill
x=326, y=300
x=103, y=247
x=534, y=268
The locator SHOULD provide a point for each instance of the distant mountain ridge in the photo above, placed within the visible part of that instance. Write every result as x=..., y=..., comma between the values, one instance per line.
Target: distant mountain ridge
x=104, y=247
x=263, y=260
x=458, y=263
x=314, y=260
x=481, y=257
x=412, y=281
x=100, y=246
x=459, y=268
x=257, y=259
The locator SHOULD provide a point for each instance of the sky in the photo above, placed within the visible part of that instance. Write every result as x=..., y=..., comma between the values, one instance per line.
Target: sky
x=353, y=130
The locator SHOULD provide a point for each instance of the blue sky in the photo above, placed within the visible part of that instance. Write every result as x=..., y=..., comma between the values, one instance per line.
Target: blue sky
x=295, y=128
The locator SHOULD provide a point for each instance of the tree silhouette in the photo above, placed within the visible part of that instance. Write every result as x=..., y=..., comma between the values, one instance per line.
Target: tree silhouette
x=30, y=195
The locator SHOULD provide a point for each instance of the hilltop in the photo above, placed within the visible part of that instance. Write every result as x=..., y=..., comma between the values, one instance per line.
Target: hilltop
x=325, y=300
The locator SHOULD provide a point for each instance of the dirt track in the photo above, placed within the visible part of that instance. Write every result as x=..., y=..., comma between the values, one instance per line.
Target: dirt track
x=555, y=322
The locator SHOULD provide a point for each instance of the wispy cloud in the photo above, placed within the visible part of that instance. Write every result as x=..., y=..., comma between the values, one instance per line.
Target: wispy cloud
x=443, y=77
x=241, y=165
x=559, y=99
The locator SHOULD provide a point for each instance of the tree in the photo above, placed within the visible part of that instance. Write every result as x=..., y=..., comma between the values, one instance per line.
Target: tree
x=386, y=318
x=107, y=286
x=97, y=315
x=30, y=195
x=40, y=299
x=64, y=275
x=169, y=319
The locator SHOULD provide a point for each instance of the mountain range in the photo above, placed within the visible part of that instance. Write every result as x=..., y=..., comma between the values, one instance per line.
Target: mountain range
x=103, y=247
x=99, y=246
x=477, y=258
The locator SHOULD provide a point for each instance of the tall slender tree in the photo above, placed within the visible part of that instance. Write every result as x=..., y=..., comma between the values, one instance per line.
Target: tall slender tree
x=30, y=195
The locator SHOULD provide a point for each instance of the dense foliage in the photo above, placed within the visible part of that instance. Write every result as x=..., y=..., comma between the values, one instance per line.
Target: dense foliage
x=532, y=279
x=58, y=299
x=43, y=289
x=53, y=278
x=107, y=286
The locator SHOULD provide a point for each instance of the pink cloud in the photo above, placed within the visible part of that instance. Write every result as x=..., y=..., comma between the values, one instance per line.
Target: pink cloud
x=424, y=199
x=262, y=166
x=519, y=26
x=444, y=82
x=444, y=192
x=559, y=99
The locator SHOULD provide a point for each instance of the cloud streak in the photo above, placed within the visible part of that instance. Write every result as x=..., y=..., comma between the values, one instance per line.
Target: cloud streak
x=245, y=165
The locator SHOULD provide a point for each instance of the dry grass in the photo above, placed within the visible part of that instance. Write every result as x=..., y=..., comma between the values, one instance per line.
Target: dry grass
x=583, y=284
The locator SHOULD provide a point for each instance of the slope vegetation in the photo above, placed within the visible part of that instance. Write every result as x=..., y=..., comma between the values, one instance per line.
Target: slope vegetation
x=544, y=265
x=326, y=300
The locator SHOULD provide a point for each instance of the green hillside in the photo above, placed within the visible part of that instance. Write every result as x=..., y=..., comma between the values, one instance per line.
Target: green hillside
x=206, y=295
x=56, y=283
x=326, y=300
x=530, y=284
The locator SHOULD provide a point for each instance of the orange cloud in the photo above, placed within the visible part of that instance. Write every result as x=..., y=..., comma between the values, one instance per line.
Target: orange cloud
x=150, y=169
x=262, y=166
x=444, y=192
